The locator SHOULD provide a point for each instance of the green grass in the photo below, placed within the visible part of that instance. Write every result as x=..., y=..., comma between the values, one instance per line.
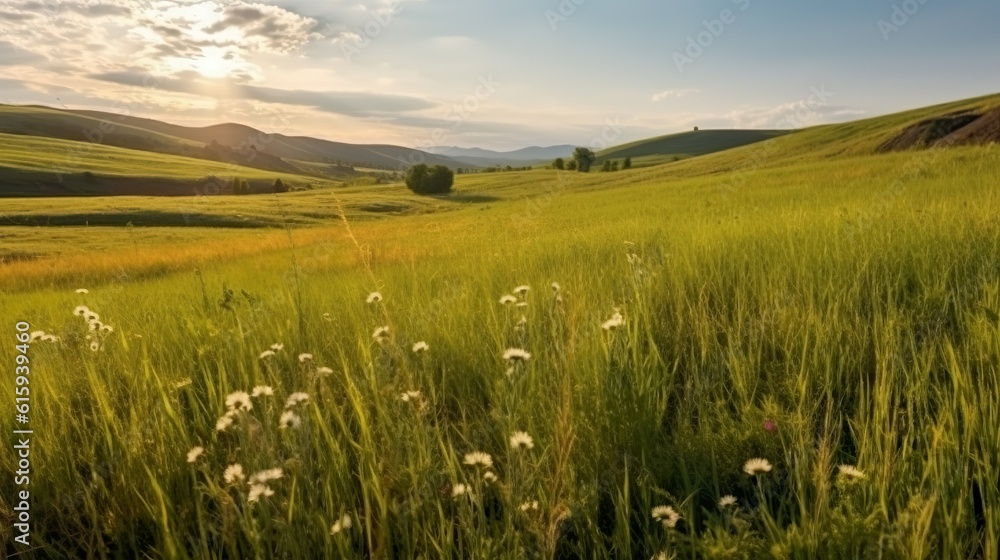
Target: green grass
x=852, y=301
x=663, y=149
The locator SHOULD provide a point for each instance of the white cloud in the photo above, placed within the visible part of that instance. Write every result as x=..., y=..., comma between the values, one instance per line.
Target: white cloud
x=674, y=93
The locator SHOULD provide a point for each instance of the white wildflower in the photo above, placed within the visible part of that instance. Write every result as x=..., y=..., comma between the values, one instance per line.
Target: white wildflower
x=289, y=420
x=295, y=399
x=262, y=391
x=374, y=297
x=478, y=458
x=420, y=347
x=756, y=466
x=195, y=452
x=234, y=473
x=521, y=440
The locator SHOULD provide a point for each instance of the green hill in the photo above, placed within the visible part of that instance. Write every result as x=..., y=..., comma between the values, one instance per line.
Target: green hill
x=671, y=147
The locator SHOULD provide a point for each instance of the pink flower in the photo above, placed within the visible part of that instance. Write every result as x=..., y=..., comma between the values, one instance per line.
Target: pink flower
x=770, y=425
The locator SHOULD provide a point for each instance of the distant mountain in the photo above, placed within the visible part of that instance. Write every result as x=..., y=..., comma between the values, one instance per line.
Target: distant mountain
x=479, y=156
x=229, y=142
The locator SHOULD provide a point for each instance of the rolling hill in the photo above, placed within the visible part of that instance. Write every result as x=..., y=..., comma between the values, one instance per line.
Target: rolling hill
x=667, y=148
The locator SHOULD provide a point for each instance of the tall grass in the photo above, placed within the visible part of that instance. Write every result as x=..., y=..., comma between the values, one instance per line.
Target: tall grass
x=804, y=319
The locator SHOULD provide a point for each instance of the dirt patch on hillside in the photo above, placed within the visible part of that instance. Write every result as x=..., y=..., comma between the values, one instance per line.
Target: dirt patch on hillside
x=964, y=128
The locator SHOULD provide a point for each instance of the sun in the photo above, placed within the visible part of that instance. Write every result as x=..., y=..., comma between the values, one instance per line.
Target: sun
x=213, y=63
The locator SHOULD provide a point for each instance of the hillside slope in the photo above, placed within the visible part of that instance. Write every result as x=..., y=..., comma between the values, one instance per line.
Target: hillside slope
x=686, y=144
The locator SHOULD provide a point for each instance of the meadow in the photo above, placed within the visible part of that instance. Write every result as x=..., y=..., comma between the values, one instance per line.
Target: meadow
x=548, y=365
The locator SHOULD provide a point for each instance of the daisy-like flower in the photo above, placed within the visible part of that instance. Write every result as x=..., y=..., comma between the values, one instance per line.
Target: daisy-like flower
x=82, y=291
x=459, y=490
x=107, y=328
x=614, y=322
x=195, y=453
x=528, y=506
x=341, y=524
x=81, y=310
x=666, y=515
x=410, y=396
x=262, y=391
x=266, y=475
x=94, y=325
x=516, y=355
x=324, y=370
x=277, y=347
x=479, y=458
x=295, y=399
x=420, y=347
x=303, y=358
x=223, y=422
x=266, y=354
x=258, y=491
x=521, y=304
x=727, y=501
x=239, y=400
x=756, y=466
x=374, y=297
x=289, y=420
x=521, y=290
x=90, y=316
x=234, y=473
x=521, y=440
x=851, y=472
x=94, y=346
x=489, y=476
x=556, y=287
x=381, y=333
x=35, y=335
x=507, y=300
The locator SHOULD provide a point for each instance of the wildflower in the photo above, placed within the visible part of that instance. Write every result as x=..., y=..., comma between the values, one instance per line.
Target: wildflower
x=277, y=347
x=770, y=425
x=262, y=391
x=266, y=354
x=239, y=400
x=223, y=422
x=478, y=458
x=727, y=501
x=94, y=325
x=556, y=287
x=82, y=291
x=374, y=297
x=107, y=328
x=266, y=475
x=516, y=355
x=521, y=304
x=234, y=473
x=521, y=290
x=522, y=321
x=507, y=300
x=36, y=335
x=420, y=347
x=666, y=515
x=94, y=346
x=81, y=310
x=259, y=490
x=289, y=420
x=183, y=383
x=91, y=317
x=324, y=370
x=296, y=398
x=458, y=490
x=327, y=317
x=532, y=505
x=50, y=338
x=614, y=322
x=195, y=453
x=521, y=439
x=303, y=358
x=410, y=396
x=753, y=467
x=489, y=476
x=381, y=333
x=341, y=524
x=851, y=472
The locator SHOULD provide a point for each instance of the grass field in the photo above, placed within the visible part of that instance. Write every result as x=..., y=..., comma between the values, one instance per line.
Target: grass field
x=771, y=302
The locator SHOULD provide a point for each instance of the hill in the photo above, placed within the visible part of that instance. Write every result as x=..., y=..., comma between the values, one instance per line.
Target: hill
x=671, y=147
x=514, y=158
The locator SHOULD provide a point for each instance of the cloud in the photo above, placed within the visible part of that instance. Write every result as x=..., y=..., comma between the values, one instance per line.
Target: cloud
x=349, y=103
x=11, y=55
x=674, y=93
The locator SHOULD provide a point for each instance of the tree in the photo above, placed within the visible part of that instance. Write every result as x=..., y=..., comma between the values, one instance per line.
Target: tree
x=627, y=164
x=607, y=166
x=426, y=180
x=559, y=163
x=614, y=165
x=279, y=187
x=583, y=158
x=571, y=165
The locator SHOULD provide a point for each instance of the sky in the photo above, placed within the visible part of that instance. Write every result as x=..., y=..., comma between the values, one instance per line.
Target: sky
x=497, y=74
